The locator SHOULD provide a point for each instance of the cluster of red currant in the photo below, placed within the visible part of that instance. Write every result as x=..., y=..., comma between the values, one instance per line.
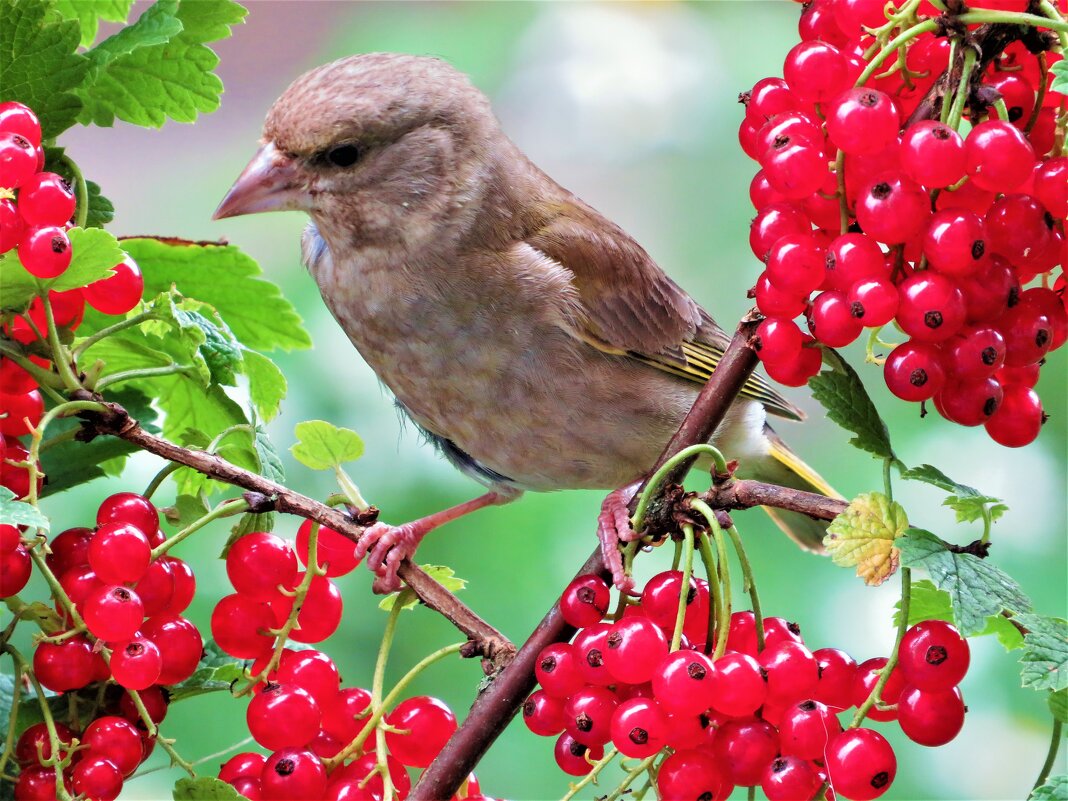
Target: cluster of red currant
x=131, y=606
x=750, y=717
x=35, y=213
x=935, y=231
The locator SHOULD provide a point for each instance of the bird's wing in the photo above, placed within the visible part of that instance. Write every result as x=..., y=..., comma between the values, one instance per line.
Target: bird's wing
x=632, y=308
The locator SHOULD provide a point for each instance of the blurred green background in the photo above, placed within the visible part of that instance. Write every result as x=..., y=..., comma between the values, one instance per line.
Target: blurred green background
x=632, y=106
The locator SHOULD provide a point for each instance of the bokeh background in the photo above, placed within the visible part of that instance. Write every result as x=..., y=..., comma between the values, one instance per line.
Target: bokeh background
x=633, y=107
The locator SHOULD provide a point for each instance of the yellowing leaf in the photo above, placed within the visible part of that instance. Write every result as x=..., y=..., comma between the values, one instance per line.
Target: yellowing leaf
x=864, y=534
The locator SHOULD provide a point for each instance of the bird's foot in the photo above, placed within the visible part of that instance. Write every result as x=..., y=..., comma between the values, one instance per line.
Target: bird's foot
x=385, y=547
x=613, y=527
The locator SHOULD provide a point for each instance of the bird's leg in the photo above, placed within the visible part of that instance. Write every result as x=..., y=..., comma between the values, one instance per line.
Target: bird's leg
x=386, y=546
x=613, y=527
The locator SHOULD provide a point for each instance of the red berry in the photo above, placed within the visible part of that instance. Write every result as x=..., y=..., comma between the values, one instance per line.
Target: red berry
x=792, y=672
x=584, y=601
x=70, y=548
x=293, y=773
x=932, y=154
x=892, y=209
x=35, y=744
x=797, y=373
x=154, y=700
x=852, y=258
x=1051, y=186
x=185, y=585
x=761, y=194
x=574, y=758
x=682, y=682
x=932, y=307
x=778, y=341
x=873, y=301
x=998, y=156
x=975, y=353
x=156, y=588
x=931, y=717
x=129, y=507
x=832, y=319
x=113, y=613
x=258, y=563
x=933, y=655
x=990, y=291
x=336, y=552
x=745, y=746
x=818, y=22
x=44, y=251
x=639, y=728
x=1028, y=334
x=1017, y=227
x=11, y=225
x=244, y=765
x=768, y=97
x=1019, y=419
x=774, y=302
x=543, y=714
x=283, y=716
x=344, y=717
x=815, y=71
x=954, y=242
x=430, y=724
x=179, y=645
x=738, y=686
x=805, y=729
x=867, y=676
x=97, y=778
x=635, y=647
x=860, y=764
x=18, y=159
x=68, y=665
x=862, y=120
x=693, y=774
x=116, y=739
x=365, y=766
x=36, y=784
x=1017, y=93
x=969, y=403
x=46, y=199
x=15, y=569
x=796, y=264
x=558, y=670
x=788, y=778
x=314, y=671
x=794, y=166
x=15, y=118
x=771, y=222
x=660, y=599
x=119, y=553
x=588, y=714
x=240, y=624
x=118, y=293
x=23, y=413
x=136, y=664
x=321, y=614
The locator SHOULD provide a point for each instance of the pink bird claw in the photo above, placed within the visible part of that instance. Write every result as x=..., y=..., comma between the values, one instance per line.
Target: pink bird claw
x=613, y=527
x=385, y=547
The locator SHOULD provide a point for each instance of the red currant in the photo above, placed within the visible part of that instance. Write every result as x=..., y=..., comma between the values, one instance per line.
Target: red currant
x=46, y=199
x=998, y=156
x=113, y=613
x=119, y=553
x=283, y=716
x=932, y=154
x=430, y=724
x=336, y=553
x=860, y=764
x=118, y=293
x=44, y=251
x=136, y=664
x=639, y=728
x=931, y=717
x=293, y=773
x=543, y=714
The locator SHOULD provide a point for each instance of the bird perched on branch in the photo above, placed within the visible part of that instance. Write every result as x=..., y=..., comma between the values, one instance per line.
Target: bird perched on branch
x=536, y=344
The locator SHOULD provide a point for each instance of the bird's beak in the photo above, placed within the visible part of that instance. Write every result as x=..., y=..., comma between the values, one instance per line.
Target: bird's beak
x=270, y=182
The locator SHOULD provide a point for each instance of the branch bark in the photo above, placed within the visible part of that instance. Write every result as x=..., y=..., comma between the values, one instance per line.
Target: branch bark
x=488, y=641
x=745, y=494
x=494, y=709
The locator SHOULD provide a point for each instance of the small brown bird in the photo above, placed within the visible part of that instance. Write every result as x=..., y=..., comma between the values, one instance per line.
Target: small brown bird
x=534, y=342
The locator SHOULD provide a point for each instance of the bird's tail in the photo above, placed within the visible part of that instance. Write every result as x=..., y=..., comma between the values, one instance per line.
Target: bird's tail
x=784, y=467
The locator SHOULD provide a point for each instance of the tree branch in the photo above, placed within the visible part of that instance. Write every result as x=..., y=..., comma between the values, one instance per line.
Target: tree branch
x=494, y=709
x=743, y=494
x=487, y=641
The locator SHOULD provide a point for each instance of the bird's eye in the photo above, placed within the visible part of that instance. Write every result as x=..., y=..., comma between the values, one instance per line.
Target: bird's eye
x=344, y=155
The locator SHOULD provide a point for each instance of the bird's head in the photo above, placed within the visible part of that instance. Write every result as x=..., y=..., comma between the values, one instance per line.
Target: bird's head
x=369, y=145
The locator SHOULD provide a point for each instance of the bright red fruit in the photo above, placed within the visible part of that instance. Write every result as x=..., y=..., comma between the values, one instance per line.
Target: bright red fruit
x=292, y=773
x=692, y=775
x=867, y=676
x=283, y=716
x=584, y=601
x=258, y=563
x=745, y=746
x=116, y=739
x=239, y=626
x=571, y=755
x=639, y=728
x=635, y=647
x=588, y=714
x=16, y=118
x=557, y=670
x=113, y=613
x=119, y=553
x=179, y=644
x=543, y=714
x=22, y=413
x=44, y=251
x=998, y=156
x=932, y=154
x=429, y=722
x=97, y=778
x=862, y=120
x=118, y=293
x=860, y=764
x=336, y=553
x=931, y=717
x=136, y=664
x=46, y=199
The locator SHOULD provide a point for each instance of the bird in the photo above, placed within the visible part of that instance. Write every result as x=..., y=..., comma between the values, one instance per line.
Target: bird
x=533, y=342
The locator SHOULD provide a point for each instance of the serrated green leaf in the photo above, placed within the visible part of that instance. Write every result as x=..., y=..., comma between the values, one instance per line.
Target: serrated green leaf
x=1055, y=787
x=94, y=254
x=267, y=384
x=929, y=474
x=88, y=13
x=977, y=588
x=215, y=673
x=969, y=503
x=927, y=602
x=841, y=392
x=17, y=513
x=70, y=464
x=186, y=509
x=323, y=446
x=864, y=535
x=225, y=278
x=160, y=67
x=38, y=63
x=204, y=788
x=442, y=574
x=1045, y=656
x=101, y=211
x=1058, y=705
x=1060, y=77
x=270, y=462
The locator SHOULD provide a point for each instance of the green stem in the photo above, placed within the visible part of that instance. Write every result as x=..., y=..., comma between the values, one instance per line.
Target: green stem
x=725, y=580
x=943, y=113
x=209, y=758
x=676, y=558
x=60, y=355
x=684, y=591
x=222, y=435
x=591, y=777
x=377, y=683
x=1051, y=755
x=45, y=378
x=988, y=519
x=891, y=662
x=1040, y=95
x=927, y=26
x=1001, y=109
x=13, y=719
x=1054, y=14
x=653, y=484
x=749, y=584
x=633, y=774
x=963, y=89
x=351, y=491
x=141, y=372
x=81, y=191
x=888, y=487
x=716, y=620
x=225, y=509
x=103, y=333
x=159, y=478
x=153, y=731
x=983, y=16
x=843, y=203
x=73, y=618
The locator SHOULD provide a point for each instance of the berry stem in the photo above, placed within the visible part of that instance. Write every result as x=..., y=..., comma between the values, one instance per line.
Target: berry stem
x=1051, y=755
x=62, y=410
x=81, y=191
x=46, y=379
x=843, y=202
x=716, y=618
x=159, y=478
x=60, y=355
x=153, y=731
x=225, y=509
x=633, y=774
x=351, y=491
x=963, y=90
x=653, y=484
x=887, y=485
x=684, y=594
x=1054, y=14
x=891, y=662
x=906, y=35
x=23, y=669
x=591, y=777
x=142, y=372
x=954, y=45
x=983, y=15
x=724, y=577
x=1040, y=94
x=104, y=333
x=749, y=584
x=213, y=446
x=77, y=625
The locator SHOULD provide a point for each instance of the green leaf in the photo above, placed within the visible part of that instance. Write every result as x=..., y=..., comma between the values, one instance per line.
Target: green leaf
x=969, y=503
x=187, y=509
x=70, y=464
x=1060, y=77
x=865, y=534
x=1056, y=787
x=215, y=673
x=1058, y=705
x=442, y=574
x=94, y=252
x=226, y=278
x=17, y=513
x=159, y=67
x=246, y=524
x=842, y=394
x=1045, y=655
x=101, y=211
x=927, y=602
x=324, y=446
x=977, y=589
x=38, y=65
x=205, y=788
x=267, y=385
x=90, y=12
x=270, y=462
